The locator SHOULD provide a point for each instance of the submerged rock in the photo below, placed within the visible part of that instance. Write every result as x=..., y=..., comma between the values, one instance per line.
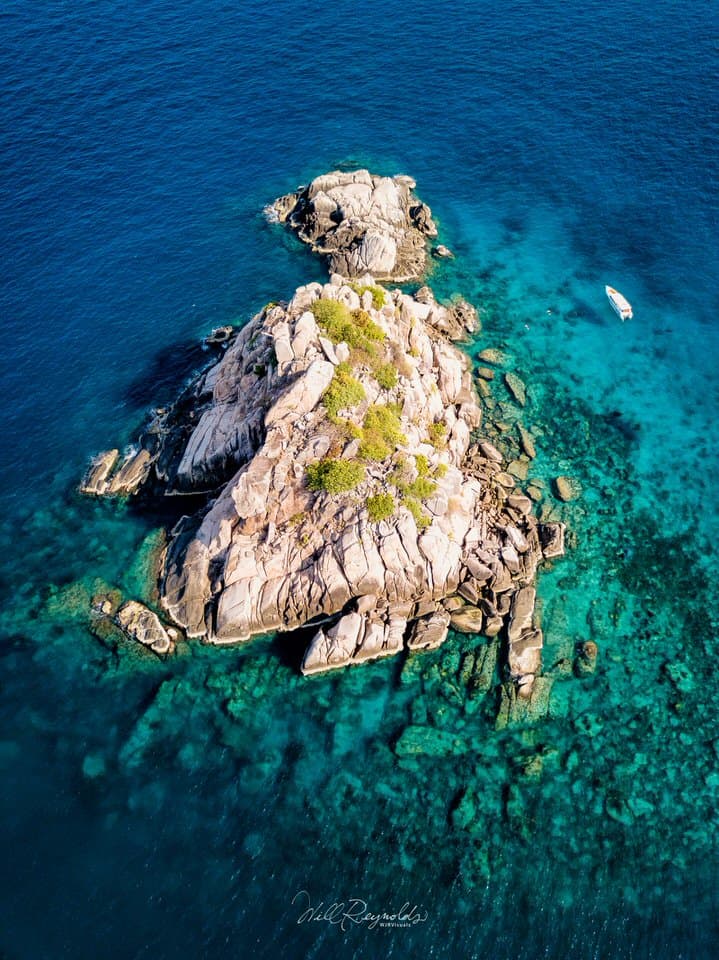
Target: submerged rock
x=586, y=661
x=567, y=488
x=516, y=387
x=144, y=626
x=430, y=741
x=516, y=708
x=93, y=766
x=493, y=356
x=527, y=441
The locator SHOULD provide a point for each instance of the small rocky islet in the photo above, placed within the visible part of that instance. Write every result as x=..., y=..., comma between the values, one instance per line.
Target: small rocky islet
x=351, y=488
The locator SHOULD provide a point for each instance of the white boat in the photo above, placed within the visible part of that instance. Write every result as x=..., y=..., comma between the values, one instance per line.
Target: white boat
x=621, y=306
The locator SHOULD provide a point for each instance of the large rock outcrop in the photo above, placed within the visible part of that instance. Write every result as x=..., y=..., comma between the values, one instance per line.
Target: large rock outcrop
x=361, y=223
x=348, y=487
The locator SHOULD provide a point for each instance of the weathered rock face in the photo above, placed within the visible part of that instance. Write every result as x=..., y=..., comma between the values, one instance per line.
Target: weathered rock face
x=361, y=223
x=333, y=440
x=142, y=625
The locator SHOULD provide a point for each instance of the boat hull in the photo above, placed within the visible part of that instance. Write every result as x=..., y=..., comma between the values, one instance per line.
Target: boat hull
x=620, y=304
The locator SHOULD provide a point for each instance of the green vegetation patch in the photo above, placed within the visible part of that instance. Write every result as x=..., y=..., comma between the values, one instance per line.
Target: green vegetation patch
x=367, y=328
x=380, y=507
x=374, y=448
x=344, y=392
x=382, y=432
x=420, y=517
x=378, y=294
x=334, y=476
x=357, y=328
x=420, y=488
x=437, y=433
x=387, y=376
x=441, y=470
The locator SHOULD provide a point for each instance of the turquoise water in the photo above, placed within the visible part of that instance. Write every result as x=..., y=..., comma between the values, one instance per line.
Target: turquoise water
x=176, y=809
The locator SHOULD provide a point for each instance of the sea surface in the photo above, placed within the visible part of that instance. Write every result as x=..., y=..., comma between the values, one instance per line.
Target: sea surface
x=198, y=807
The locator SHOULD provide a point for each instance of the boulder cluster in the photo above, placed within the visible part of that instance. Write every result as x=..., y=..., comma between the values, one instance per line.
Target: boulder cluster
x=349, y=487
x=362, y=223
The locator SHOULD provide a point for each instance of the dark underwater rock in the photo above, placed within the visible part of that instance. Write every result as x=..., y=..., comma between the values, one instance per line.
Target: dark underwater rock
x=586, y=660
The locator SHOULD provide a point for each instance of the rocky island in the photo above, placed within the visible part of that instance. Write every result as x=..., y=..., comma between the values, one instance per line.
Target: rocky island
x=337, y=445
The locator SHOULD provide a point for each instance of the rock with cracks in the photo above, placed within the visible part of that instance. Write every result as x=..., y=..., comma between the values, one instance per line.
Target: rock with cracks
x=333, y=444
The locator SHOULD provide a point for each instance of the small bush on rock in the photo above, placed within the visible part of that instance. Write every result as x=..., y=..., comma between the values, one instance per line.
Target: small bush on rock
x=357, y=329
x=344, y=391
x=334, y=476
x=420, y=517
x=380, y=507
x=382, y=432
x=386, y=376
x=437, y=434
x=378, y=294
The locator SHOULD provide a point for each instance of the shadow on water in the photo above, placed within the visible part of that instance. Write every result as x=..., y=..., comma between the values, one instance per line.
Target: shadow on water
x=172, y=366
x=167, y=511
x=290, y=647
x=583, y=311
x=628, y=429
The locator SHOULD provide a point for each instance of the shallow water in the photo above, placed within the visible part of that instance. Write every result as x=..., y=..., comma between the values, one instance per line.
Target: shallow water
x=176, y=809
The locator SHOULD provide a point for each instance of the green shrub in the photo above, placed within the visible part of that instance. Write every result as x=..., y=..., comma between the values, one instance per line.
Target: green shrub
x=420, y=517
x=260, y=370
x=386, y=376
x=378, y=294
x=334, y=476
x=374, y=448
x=344, y=391
x=357, y=329
x=380, y=507
x=421, y=488
x=422, y=464
x=398, y=472
x=382, y=432
x=441, y=470
x=437, y=433
x=384, y=420
x=330, y=313
x=349, y=429
x=366, y=326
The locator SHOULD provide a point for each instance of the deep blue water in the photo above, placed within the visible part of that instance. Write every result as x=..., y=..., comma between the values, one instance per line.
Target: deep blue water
x=561, y=146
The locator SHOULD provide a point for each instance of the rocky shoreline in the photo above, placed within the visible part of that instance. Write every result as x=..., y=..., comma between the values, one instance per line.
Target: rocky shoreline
x=362, y=224
x=350, y=483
